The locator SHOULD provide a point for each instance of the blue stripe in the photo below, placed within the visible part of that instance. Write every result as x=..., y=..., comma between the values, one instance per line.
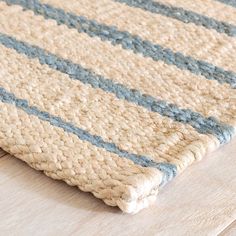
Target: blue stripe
x=182, y=15
x=203, y=125
x=169, y=170
x=129, y=42
x=228, y=2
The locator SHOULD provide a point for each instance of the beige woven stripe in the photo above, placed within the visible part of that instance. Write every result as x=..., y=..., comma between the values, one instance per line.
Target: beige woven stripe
x=210, y=8
x=132, y=128
x=174, y=85
x=115, y=180
x=196, y=41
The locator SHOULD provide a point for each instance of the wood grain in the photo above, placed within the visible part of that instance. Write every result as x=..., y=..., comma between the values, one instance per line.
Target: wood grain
x=201, y=201
x=230, y=230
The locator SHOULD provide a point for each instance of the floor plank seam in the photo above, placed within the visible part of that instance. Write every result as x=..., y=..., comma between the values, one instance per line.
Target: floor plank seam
x=228, y=227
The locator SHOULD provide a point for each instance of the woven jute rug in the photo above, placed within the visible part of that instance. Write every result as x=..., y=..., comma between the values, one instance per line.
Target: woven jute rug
x=116, y=97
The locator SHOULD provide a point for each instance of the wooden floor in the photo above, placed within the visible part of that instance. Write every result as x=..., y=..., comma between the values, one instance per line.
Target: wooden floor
x=201, y=201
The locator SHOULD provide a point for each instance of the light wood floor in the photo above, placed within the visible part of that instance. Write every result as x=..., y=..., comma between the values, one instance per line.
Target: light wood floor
x=201, y=201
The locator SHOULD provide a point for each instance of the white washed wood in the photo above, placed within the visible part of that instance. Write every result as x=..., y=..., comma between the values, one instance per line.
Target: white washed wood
x=230, y=230
x=201, y=201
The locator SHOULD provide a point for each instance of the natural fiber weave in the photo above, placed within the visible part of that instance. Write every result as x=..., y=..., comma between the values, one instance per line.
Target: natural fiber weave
x=116, y=96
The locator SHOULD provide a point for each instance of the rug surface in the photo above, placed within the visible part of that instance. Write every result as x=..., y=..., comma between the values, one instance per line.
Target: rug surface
x=116, y=97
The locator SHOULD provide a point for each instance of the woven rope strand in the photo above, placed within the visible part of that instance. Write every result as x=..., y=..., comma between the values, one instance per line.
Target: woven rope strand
x=130, y=42
x=191, y=40
x=117, y=181
x=204, y=7
x=182, y=15
x=228, y=2
x=112, y=97
x=169, y=170
x=134, y=129
x=203, y=125
x=182, y=88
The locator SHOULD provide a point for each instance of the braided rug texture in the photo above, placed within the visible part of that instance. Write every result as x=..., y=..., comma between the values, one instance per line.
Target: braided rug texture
x=116, y=97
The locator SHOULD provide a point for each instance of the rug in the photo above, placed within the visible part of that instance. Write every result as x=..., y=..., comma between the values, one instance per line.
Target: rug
x=116, y=97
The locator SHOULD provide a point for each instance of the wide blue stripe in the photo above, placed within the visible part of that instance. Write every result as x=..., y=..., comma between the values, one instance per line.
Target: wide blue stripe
x=182, y=15
x=169, y=170
x=228, y=2
x=129, y=41
x=203, y=125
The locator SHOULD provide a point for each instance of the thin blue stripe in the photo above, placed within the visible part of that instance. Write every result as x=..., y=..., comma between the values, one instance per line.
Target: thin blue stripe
x=129, y=42
x=210, y=125
x=169, y=170
x=228, y=2
x=182, y=15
